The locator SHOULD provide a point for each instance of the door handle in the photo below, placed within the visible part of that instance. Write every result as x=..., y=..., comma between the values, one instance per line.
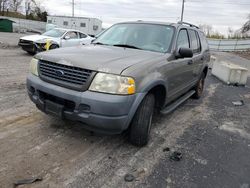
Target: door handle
x=190, y=62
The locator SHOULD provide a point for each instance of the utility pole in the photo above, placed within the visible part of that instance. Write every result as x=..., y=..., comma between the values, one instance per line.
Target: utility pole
x=182, y=12
x=73, y=8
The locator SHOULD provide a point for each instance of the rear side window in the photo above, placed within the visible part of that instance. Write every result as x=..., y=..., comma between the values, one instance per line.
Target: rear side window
x=183, y=40
x=82, y=35
x=195, y=41
x=204, y=41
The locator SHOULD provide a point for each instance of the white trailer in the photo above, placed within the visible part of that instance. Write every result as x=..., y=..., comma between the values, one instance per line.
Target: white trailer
x=91, y=26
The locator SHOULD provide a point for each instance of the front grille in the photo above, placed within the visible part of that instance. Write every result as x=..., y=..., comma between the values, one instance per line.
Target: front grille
x=64, y=75
x=25, y=42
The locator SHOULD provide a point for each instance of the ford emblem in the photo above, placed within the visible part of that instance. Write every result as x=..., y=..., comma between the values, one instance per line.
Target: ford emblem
x=59, y=73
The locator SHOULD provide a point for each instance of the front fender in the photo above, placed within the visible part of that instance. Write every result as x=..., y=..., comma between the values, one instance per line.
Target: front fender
x=152, y=80
x=148, y=84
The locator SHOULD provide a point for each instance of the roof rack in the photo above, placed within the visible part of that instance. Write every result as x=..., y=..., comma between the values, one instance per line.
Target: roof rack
x=189, y=24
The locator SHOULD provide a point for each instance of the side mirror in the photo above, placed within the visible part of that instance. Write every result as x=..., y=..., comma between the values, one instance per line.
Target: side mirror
x=66, y=37
x=185, y=53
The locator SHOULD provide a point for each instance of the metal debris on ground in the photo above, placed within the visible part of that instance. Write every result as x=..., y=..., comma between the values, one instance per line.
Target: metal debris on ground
x=238, y=103
x=129, y=177
x=166, y=149
x=27, y=181
x=176, y=156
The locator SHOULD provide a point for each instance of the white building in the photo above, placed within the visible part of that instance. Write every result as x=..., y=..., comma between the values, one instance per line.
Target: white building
x=91, y=26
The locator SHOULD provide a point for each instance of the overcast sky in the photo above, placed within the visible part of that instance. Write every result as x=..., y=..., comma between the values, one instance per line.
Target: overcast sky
x=221, y=14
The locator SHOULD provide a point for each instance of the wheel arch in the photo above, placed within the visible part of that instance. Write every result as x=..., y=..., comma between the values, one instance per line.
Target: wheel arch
x=205, y=70
x=157, y=88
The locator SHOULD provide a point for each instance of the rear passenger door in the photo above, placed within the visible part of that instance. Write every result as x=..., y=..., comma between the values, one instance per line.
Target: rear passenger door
x=198, y=57
x=84, y=39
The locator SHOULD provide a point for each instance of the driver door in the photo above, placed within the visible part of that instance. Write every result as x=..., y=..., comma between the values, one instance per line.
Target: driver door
x=71, y=38
x=181, y=75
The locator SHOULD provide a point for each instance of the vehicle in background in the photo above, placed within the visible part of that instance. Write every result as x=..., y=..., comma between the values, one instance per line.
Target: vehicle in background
x=130, y=71
x=52, y=39
x=90, y=26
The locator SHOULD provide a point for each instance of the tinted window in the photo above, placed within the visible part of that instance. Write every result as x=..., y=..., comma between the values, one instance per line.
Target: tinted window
x=195, y=42
x=151, y=37
x=182, y=40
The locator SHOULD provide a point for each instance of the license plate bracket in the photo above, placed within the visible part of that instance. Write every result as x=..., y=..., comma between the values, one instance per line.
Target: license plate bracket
x=53, y=108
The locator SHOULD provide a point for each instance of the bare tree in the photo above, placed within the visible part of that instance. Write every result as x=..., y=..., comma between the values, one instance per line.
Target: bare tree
x=1, y=1
x=230, y=32
x=16, y=4
x=207, y=29
x=246, y=27
x=3, y=6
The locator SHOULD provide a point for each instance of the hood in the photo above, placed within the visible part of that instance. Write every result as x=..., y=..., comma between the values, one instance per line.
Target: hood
x=108, y=59
x=35, y=38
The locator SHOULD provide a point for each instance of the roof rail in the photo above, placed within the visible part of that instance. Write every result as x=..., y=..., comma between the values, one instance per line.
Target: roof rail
x=189, y=24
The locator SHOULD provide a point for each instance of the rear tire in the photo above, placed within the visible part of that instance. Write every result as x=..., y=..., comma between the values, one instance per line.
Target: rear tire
x=31, y=53
x=199, y=87
x=141, y=123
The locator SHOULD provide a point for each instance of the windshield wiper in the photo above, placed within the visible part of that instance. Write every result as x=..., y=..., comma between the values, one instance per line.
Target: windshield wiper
x=126, y=46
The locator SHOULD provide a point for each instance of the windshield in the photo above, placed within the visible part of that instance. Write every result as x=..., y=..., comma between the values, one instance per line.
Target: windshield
x=150, y=37
x=54, y=33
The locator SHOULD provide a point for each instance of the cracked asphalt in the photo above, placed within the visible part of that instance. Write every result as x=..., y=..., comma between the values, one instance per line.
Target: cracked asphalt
x=212, y=134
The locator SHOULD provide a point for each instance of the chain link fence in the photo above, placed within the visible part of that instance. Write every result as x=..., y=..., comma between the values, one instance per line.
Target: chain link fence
x=229, y=44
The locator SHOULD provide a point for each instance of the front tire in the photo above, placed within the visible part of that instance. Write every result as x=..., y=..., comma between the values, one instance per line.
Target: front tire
x=53, y=46
x=141, y=123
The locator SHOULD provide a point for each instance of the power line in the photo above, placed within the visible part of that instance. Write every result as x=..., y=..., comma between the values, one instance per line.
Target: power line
x=216, y=2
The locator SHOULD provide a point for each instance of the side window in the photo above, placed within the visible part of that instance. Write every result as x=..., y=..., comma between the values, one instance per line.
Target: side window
x=204, y=41
x=83, y=25
x=182, y=40
x=195, y=41
x=72, y=35
x=49, y=21
x=82, y=35
x=65, y=23
x=95, y=27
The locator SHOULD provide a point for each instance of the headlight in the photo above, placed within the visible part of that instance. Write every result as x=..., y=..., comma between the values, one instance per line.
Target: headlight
x=33, y=66
x=113, y=84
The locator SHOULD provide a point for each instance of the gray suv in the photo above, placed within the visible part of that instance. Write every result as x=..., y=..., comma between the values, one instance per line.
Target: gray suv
x=116, y=83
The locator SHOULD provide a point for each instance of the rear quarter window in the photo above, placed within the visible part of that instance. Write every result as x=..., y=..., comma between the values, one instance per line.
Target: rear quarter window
x=195, y=41
x=204, y=42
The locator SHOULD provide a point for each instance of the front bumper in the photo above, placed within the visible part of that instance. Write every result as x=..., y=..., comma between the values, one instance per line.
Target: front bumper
x=98, y=111
x=32, y=47
x=28, y=47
